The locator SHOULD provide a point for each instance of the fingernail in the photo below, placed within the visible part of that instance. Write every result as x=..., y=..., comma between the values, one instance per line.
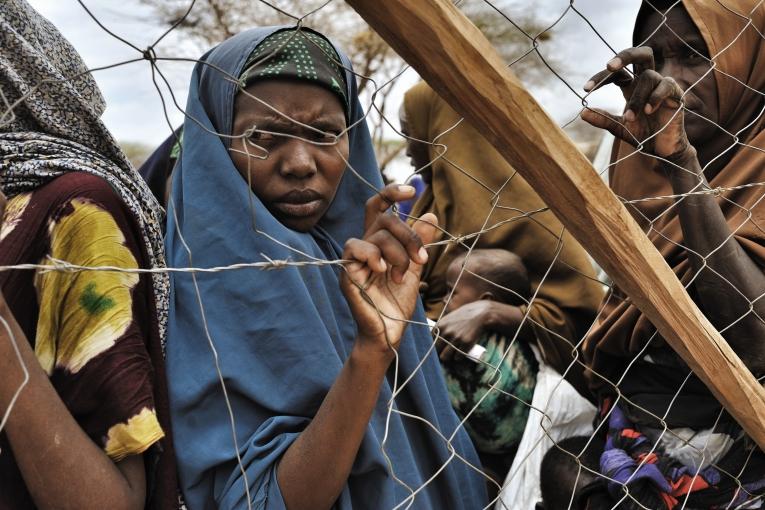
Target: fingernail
x=588, y=86
x=405, y=188
x=648, y=109
x=423, y=254
x=629, y=116
x=614, y=62
x=383, y=264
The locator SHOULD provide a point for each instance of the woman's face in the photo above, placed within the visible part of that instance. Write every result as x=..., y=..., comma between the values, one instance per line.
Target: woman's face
x=296, y=172
x=681, y=53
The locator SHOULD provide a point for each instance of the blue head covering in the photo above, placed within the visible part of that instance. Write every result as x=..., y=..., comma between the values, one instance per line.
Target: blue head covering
x=283, y=336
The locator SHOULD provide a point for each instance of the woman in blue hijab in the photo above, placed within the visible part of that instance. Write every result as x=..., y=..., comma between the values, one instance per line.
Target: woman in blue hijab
x=330, y=400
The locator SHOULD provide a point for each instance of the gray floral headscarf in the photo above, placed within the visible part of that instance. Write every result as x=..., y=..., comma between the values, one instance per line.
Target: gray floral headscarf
x=50, y=109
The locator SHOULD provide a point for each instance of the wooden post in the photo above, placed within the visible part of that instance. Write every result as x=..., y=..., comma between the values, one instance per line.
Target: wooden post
x=454, y=57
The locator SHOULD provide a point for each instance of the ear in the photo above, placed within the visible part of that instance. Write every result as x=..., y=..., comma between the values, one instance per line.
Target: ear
x=488, y=296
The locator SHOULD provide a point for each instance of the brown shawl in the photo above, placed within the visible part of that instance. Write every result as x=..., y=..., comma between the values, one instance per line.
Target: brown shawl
x=465, y=181
x=623, y=330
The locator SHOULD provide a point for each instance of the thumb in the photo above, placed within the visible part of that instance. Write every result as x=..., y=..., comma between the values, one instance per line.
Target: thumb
x=426, y=227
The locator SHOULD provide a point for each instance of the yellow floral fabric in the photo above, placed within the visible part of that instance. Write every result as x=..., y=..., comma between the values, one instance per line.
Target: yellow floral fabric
x=97, y=310
x=137, y=434
x=102, y=308
x=89, y=328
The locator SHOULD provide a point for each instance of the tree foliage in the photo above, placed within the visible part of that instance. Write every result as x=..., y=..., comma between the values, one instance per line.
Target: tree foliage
x=508, y=25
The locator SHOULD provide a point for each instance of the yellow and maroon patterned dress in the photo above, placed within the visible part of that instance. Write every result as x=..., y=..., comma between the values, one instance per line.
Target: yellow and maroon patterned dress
x=90, y=330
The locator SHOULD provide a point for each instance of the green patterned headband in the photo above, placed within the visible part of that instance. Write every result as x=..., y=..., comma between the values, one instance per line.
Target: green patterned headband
x=298, y=55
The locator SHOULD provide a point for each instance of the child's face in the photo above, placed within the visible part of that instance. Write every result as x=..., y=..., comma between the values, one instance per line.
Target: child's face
x=468, y=289
x=296, y=172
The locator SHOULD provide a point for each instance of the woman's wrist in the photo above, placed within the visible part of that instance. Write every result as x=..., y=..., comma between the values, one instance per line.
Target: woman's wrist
x=684, y=161
x=683, y=156
x=684, y=171
x=372, y=354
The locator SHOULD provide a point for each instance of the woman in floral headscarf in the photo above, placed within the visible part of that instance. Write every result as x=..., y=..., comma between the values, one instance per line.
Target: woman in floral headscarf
x=90, y=428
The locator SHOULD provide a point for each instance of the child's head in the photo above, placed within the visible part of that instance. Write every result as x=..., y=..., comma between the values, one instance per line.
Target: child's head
x=561, y=474
x=492, y=274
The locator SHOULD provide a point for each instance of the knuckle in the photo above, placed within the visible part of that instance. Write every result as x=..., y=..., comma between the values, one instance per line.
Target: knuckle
x=399, y=251
x=378, y=237
x=653, y=75
x=399, y=257
x=388, y=191
x=388, y=221
x=413, y=237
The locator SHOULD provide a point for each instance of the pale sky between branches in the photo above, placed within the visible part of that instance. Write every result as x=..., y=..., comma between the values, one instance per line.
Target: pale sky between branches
x=134, y=112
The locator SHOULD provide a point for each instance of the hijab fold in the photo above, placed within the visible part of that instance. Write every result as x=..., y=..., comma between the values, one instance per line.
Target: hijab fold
x=282, y=336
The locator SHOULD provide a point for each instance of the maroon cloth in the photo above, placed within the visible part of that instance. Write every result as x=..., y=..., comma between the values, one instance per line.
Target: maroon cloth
x=118, y=382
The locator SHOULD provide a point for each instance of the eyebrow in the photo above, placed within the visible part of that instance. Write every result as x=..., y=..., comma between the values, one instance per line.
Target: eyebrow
x=275, y=120
x=695, y=42
x=277, y=124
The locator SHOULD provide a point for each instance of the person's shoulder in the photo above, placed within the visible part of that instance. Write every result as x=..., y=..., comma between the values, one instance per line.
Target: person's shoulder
x=82, y=186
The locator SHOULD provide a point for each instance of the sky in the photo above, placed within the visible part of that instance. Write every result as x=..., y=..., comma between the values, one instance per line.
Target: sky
x=134, y=111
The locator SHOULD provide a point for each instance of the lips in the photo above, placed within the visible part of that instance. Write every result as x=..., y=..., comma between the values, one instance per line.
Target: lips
x=300, y=203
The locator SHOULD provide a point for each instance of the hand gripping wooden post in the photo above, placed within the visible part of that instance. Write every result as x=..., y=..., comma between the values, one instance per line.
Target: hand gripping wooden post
x=452, y=55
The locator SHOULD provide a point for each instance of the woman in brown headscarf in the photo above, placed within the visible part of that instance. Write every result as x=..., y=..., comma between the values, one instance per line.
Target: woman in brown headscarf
x=473, y=189
x=710, y=57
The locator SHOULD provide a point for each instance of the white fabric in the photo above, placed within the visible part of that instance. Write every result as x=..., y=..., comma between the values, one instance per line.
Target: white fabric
x=695, y=449
x=566, y=414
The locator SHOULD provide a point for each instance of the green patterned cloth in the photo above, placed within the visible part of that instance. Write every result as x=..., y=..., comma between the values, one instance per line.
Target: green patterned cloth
x=298, y=55
x=497, y=424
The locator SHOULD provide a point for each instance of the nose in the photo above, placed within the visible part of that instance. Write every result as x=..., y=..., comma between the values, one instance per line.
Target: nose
x=298, y=160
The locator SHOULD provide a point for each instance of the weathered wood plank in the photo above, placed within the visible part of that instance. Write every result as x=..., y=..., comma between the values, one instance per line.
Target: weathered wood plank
x=452, y=55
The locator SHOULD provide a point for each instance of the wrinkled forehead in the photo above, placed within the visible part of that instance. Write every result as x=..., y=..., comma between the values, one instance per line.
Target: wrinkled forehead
x=288, y=103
